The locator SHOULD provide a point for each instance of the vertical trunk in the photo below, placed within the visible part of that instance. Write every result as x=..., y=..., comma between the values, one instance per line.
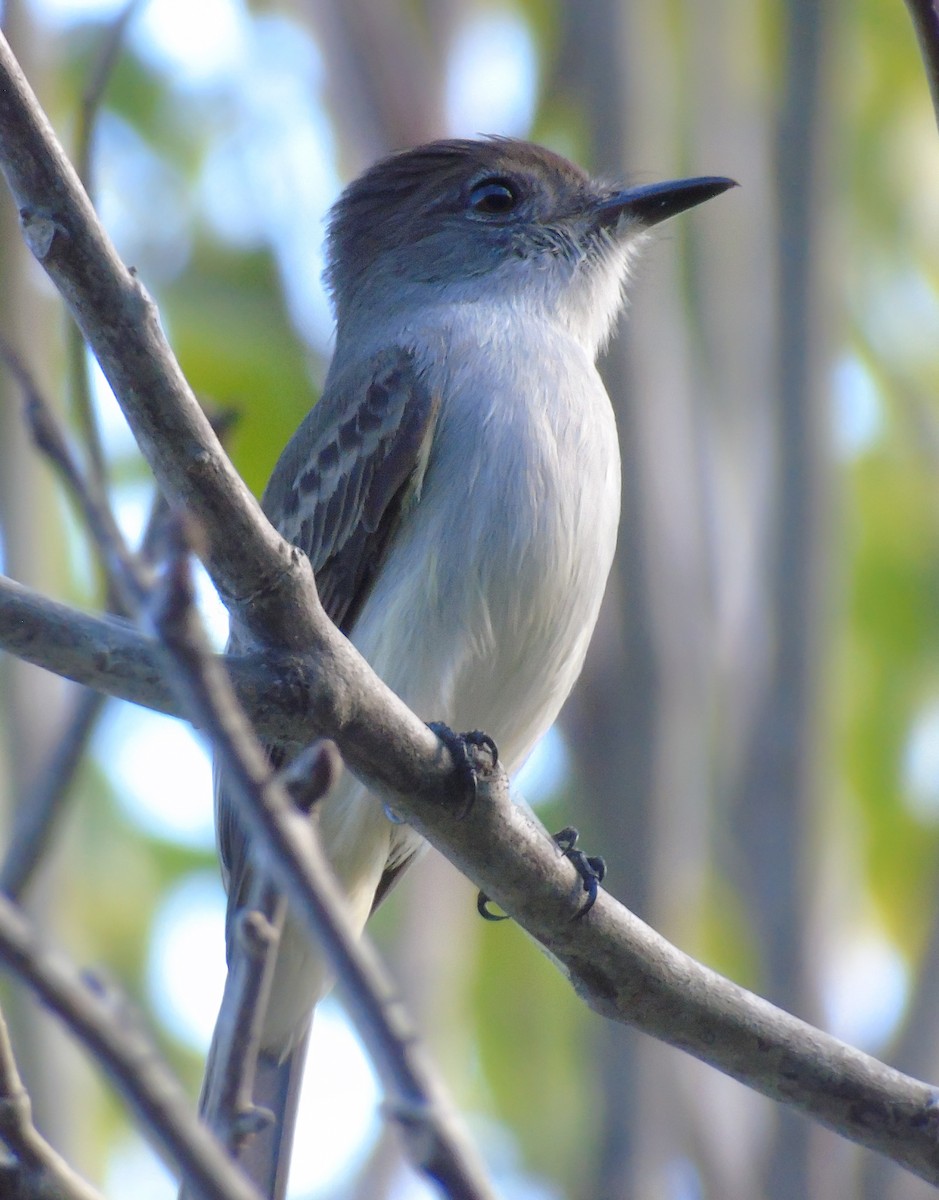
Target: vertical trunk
x=779, y=779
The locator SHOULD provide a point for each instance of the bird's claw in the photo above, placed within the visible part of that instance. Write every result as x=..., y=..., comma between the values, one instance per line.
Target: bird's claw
x=458, y=744
x=482, y=907
x=590, y=869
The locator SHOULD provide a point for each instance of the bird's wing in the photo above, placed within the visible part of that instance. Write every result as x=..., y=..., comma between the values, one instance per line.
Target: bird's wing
x=338, y=492
x=350, y=472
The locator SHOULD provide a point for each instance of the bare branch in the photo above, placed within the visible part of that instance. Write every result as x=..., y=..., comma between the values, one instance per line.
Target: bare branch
x=435, y=1142
x=128, y=1057
x=284, y=846
x=39, y=1170
x=617, y=964
x=120, y=323
x=37, y=814
x=90, y=495
x=106, y=653
x=287, y=696
x=266, y=580
x=925, y=16
x=227, y=1102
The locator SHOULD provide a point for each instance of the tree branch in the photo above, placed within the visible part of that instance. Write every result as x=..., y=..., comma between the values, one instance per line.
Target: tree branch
x=128, y=1057
x=286, y=849
x=121, y=325
x=38, y=1171
x=925, y=17
x=281, y=837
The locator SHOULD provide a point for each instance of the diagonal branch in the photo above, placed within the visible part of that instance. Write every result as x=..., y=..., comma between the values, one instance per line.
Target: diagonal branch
x=48, y=1173
x=259, y=575
x=925, y=17
x=121, y=325
x=127, y=1056
x=279, y=829
x=284, y=844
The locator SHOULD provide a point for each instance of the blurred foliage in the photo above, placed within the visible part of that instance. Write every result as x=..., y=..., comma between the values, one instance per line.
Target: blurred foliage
x=234, y=342
x=533, y=1043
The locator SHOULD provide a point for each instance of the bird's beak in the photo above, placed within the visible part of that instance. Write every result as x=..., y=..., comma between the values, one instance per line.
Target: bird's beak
x=647, y=206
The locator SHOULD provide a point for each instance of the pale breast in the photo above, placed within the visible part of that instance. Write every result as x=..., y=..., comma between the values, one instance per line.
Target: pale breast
x=501, y=565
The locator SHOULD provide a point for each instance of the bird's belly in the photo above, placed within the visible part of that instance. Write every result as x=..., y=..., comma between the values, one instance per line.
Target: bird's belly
x=484, y=620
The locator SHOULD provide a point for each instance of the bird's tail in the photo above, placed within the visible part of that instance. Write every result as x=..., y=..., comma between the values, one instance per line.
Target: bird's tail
x=265, y=1157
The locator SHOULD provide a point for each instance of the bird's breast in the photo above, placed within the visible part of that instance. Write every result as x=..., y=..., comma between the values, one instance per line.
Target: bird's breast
x=501, y=564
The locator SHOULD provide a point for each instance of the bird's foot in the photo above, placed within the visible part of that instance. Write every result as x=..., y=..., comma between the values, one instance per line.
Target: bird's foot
x=459, y=746
x=590, y=869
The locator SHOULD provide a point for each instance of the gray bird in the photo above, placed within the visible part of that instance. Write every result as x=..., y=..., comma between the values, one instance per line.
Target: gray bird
x=457, y=487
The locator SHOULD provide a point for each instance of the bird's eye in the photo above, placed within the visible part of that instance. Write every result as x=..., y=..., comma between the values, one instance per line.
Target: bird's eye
x=494, y=196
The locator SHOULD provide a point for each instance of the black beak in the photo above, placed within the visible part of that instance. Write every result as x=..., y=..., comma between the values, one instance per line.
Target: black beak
x=647, y=206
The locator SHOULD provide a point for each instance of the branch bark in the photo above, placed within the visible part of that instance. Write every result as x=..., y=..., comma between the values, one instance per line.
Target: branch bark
x=127, y=1056
x=121, y=325
x=38, y=1171
x=286, y=849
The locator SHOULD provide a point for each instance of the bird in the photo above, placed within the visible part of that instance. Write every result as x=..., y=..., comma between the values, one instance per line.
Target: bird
x=456, y=487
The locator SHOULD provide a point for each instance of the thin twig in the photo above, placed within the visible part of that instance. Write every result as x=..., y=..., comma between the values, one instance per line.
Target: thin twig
x=127, y=1056
x=39, y=417
x=284, y=846
x=925, y=16
x=226, y=1103
x=49, y=1174
x=229, y=1079
x=51, y=439
x=38, y=813
x=37, y=817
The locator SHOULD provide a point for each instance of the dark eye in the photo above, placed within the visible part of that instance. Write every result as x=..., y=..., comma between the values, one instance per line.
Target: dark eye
x=494, y=196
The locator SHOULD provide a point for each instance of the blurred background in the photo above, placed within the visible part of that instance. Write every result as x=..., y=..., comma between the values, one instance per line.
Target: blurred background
x=754, y=745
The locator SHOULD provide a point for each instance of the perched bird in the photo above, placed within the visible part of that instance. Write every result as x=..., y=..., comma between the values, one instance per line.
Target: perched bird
x=457, y=487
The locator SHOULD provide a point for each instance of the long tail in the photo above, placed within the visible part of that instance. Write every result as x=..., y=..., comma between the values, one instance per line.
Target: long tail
x=265, y=1157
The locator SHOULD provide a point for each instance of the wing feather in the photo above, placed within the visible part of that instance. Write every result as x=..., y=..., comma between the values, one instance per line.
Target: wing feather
x=338, y=492
x=349, y=473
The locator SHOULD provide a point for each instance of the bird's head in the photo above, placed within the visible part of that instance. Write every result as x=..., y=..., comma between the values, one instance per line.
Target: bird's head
x=465, y=221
